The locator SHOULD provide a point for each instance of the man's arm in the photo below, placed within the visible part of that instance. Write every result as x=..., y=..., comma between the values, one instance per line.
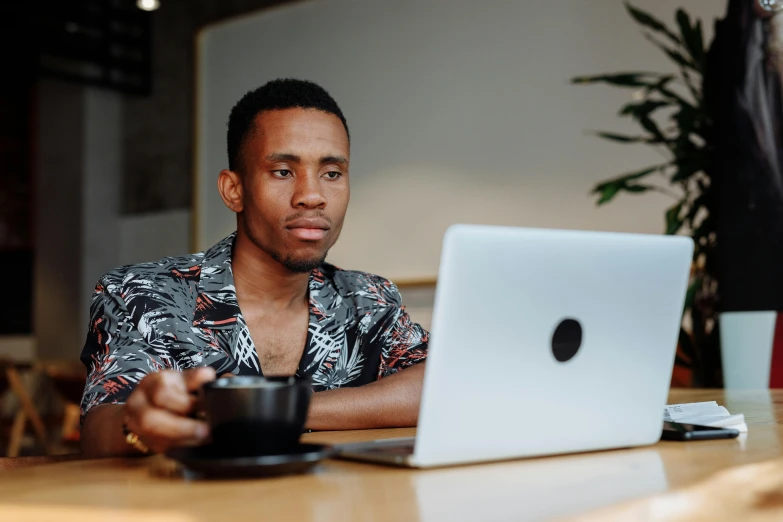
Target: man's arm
x=387, y=403
x=157, y=411
x=102, y=435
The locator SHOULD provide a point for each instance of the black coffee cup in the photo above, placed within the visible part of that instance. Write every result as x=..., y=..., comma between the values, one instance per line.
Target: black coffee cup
x=254, y=415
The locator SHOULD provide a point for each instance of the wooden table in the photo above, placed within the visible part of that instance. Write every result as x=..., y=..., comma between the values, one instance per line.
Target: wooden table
x=530, y=489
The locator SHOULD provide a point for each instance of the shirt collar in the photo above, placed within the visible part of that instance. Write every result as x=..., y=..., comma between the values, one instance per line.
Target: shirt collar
x=217, y=307
x=216, y=303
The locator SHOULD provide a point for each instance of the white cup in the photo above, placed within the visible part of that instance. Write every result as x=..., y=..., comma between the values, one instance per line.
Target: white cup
x=747, y=345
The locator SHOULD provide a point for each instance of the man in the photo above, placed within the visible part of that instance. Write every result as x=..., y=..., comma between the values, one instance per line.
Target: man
x=261, y=301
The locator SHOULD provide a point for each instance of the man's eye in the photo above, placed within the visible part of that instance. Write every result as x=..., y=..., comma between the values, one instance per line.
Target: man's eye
x=282, y=173
x=333, y=174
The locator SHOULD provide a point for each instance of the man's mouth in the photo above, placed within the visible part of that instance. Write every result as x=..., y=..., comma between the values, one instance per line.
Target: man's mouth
x=309, y=229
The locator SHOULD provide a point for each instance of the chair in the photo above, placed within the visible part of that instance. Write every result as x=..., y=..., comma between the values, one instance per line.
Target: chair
x=68, y=378
x=27, y=411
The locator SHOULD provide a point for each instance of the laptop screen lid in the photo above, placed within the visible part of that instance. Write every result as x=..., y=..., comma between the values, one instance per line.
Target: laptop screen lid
x=549, y=341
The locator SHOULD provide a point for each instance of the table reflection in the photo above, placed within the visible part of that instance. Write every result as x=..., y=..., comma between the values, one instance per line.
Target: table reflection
x=539, y=488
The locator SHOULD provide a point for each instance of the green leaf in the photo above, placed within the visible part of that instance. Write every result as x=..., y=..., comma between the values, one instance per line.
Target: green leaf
x=688, y=166
x=644, y=108
x=609, y=189
x=685, y=147
x=622, y=138
x=691, y=37
x=675, y=55
x=686, y=118
x=661, y=83
x=627, y=79
x=694, y=89
x=673, y=220
x=650, y=126
x=631, y=176
x=638, y=188
x=660, y=87
x=650, y=22
x=608, y=192
x=671, y=95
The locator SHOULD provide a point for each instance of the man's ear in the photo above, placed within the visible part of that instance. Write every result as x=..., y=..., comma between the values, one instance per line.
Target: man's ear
x=231, y=189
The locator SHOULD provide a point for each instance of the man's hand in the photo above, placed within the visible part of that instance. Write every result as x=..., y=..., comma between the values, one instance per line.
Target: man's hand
x=157, y=410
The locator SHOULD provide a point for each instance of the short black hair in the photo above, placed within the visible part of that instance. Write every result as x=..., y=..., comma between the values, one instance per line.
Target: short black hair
x=280, y=94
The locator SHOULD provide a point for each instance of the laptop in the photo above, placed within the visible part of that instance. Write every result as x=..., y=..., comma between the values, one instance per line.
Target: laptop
x=544, y=342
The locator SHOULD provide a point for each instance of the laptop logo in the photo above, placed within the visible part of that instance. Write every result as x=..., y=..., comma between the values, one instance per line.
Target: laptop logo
x=567, y=339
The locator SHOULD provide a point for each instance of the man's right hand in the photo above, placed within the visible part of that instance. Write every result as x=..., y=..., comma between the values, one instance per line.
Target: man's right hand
x=157, y=410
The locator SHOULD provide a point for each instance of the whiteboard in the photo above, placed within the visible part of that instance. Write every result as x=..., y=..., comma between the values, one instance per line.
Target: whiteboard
x=460, y=111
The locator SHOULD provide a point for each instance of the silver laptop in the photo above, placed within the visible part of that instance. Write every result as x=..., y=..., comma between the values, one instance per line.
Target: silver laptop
x=545, y=342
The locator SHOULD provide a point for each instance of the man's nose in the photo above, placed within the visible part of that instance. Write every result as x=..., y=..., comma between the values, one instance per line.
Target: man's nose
x=309, y=193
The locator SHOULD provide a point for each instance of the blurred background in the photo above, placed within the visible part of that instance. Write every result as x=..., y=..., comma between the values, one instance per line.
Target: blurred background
x=644, y=117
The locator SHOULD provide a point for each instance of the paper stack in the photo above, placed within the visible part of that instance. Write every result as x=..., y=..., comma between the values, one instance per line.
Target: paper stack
x=705, y=414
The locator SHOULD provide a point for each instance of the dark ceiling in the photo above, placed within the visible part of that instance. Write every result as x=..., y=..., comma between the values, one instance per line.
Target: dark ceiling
x=100, y=42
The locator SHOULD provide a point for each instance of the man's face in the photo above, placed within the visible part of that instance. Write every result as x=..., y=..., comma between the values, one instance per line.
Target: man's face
x=295, y=185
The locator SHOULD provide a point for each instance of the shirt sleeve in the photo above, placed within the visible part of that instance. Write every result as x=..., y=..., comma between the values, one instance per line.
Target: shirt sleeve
x=404, y=342
x=113, y=352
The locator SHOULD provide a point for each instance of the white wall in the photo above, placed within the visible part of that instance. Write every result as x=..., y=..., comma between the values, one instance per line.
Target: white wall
x=460, y=111
x=148, y=237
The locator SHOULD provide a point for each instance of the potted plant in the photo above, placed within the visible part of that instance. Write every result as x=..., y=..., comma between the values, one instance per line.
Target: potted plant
x=673, y=118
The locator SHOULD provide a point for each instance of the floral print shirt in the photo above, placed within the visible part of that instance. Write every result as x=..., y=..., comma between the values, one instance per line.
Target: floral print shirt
x=182, y=312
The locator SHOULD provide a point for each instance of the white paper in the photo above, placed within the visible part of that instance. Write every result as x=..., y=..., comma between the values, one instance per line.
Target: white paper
x=705, y=414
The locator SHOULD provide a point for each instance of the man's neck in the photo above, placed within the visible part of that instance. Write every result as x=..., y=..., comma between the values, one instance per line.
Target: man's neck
x=262, y=280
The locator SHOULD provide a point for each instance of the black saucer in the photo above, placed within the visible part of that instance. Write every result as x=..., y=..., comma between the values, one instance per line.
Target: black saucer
x=210, y=461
